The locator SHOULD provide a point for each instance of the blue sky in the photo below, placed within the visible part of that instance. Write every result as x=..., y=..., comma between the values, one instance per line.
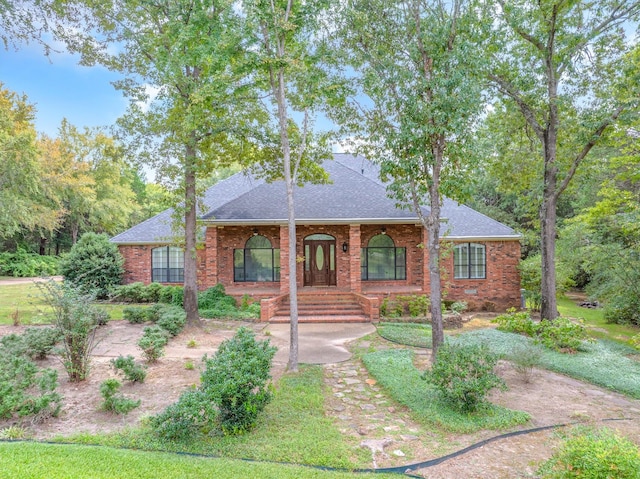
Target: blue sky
x=60, y=88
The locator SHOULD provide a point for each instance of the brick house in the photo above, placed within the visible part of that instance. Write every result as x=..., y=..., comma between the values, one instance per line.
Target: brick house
x=355, y=247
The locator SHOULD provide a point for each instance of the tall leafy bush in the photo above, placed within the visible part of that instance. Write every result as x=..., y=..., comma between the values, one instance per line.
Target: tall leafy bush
x=236, y=380
x=94, y=265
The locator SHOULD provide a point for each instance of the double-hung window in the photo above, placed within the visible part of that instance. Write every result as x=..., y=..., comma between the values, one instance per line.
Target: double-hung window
x=167, y=264
x=469, y=261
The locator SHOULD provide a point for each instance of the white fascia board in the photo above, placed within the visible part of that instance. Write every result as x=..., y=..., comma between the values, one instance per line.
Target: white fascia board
x=483, y=238
x=315, y=221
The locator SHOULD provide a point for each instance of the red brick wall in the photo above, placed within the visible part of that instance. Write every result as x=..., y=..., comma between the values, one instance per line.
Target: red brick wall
x=407, y=236
x=137, y=263
x=499, y=290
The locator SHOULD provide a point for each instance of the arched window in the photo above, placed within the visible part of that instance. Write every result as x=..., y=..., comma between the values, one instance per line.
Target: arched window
x=382, y=260
x=469, y=261
x=167, y=264
x=257, y=261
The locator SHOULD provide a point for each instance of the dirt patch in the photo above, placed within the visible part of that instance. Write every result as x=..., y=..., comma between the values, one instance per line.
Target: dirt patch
x=367, y=417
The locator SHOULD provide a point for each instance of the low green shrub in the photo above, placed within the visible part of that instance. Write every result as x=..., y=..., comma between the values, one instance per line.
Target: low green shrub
x=114, y=402
x=562, y=334
x=132, y=372
x=516, y=322
x=23, y=264
x=593, y=454
x=191, y=415
x=464, y=375
x=26, y=389
x=635, y=341
x=172, y=319
x=40, y=341
x=135, y=314
x=172, y=295
x=414, y=306
x=152, y=343
x=236, y=380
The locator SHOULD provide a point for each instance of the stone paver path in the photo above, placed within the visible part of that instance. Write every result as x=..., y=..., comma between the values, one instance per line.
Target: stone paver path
x=373, y=421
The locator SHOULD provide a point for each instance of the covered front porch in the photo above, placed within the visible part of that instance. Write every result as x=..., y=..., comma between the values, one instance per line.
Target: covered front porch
x=344, y=270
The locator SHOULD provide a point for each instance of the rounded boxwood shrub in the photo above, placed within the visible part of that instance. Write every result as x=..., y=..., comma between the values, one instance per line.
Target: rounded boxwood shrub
x=94, y=265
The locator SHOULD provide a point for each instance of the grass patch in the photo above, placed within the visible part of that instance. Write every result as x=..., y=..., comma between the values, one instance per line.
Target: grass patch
x=25, y=301
x=603, y=363
x=594, y=320
x=54, y=461
x=395, y=371
x=411, y=334
x=293, y=428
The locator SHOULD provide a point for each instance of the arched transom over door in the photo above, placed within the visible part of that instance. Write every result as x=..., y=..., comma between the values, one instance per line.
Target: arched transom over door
x=320, y=260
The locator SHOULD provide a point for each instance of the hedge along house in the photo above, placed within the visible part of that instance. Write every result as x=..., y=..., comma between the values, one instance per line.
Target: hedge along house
x=354, y=247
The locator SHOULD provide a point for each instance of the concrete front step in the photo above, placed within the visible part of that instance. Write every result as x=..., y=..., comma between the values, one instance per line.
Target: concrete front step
x=322, y=319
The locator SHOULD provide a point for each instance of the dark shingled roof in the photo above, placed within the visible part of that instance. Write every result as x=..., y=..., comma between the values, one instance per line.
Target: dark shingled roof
x=355, y=192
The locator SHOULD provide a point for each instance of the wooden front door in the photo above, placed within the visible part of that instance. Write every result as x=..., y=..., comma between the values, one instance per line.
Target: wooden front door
x=320, y=263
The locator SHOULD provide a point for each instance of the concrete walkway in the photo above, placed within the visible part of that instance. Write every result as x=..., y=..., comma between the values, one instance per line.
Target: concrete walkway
x=321, y=343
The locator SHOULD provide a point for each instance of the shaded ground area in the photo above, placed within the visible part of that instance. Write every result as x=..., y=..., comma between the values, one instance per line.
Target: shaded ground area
x=362, y=411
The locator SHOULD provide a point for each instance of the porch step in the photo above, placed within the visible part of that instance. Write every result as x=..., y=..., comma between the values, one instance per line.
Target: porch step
x=323, y=307
x=322, y=319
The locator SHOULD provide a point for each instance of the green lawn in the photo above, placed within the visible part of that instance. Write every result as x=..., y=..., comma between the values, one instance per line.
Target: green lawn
x=594, y=320
x=24, y=300
x=57, y=461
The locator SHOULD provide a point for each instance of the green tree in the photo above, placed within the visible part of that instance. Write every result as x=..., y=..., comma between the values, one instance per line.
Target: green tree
x=566, y=67
x=416, y=66
x=184, y=73
x=22, y=190
x=291, y=62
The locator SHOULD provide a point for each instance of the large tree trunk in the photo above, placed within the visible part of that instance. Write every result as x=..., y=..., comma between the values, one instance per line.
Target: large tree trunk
x=190, y=230
x=548, y=308
x=435, y=295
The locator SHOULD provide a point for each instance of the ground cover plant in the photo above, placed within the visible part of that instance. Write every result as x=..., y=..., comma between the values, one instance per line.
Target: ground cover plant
x=29, y=460
x=603, y=363
x=395, y=371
